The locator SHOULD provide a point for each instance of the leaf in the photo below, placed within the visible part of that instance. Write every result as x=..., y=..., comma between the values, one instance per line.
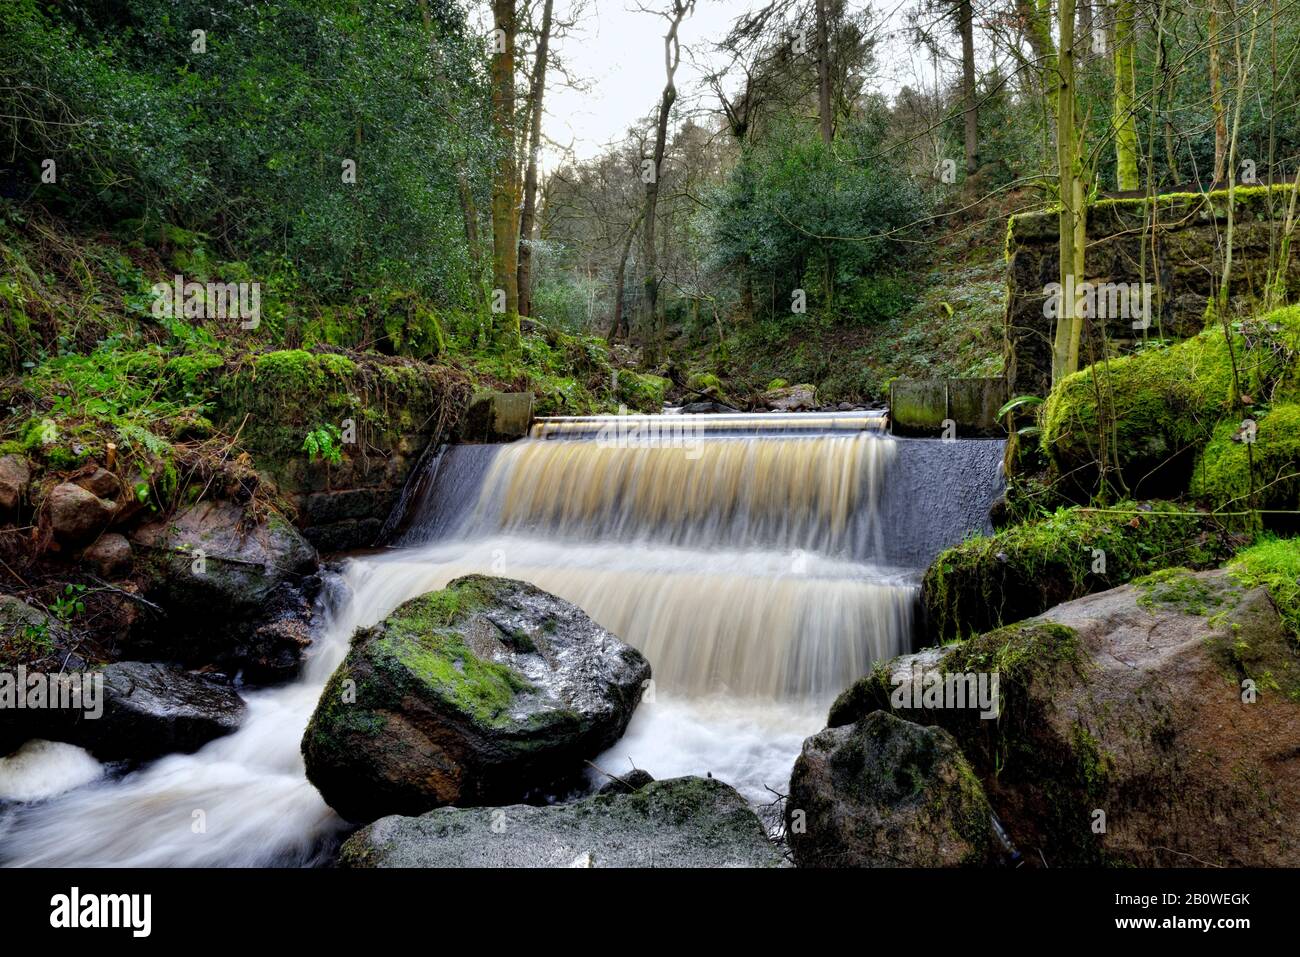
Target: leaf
x=1019, y=401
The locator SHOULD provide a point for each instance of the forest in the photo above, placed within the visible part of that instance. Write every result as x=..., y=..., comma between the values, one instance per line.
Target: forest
x=690, y=433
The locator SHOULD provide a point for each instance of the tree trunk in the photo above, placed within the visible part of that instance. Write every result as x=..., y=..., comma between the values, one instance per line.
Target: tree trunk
x=620, y=280
x=528, y=217
x=1072, y=232
x=1124, y=119
x=1216, y=95
x=672, y=57
x=505, y=190
x=824, y=73
x=970, y=108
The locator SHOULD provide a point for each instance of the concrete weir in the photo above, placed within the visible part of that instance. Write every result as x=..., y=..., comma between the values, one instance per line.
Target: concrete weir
x=947, y=408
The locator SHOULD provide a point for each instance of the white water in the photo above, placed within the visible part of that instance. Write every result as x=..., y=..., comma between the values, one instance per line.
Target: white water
x=748, y=646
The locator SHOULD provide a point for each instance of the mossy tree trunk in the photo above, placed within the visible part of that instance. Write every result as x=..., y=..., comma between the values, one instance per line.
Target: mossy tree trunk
x=1124, y=119
x=1073, y=216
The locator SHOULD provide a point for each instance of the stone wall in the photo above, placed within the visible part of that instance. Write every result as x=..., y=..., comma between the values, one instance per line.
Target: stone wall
x=385, y=411
x=1175, y=242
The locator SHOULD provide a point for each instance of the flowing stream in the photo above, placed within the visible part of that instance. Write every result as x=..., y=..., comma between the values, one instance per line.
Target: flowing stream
x=761, y=563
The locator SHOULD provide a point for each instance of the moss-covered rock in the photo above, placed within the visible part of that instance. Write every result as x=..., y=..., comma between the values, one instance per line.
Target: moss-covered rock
x=1147, y=415
x=682, y=822
x=1023, y=570
x=1223, y=475
x=884, y=792
x=481, y=693
x=1139, y=726
x=1273, y=563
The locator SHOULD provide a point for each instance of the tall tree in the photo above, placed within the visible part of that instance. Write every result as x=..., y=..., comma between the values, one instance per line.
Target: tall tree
x=678, y=12
x=505, y=179
x=527, y=218
x=970, y=108
x=1216, y=93
x=1072, y=231
x=1124, y=116
x=824, y=72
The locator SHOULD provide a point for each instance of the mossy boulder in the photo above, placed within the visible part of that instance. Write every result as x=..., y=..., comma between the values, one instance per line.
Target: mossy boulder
x=1141, y=726
x=1023, y=570
x=1148, y=414
x=681, y=822
x=1274, y=564
x=884, y=792
x=487, y=692
x=1223, y=475
x=641, y=392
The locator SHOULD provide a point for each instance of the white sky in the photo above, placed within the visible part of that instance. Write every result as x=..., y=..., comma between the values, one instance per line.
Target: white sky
x=616, y=52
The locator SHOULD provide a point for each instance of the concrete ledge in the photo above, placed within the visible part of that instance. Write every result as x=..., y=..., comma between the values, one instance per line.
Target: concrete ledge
x=497, y=417
x=921, y=407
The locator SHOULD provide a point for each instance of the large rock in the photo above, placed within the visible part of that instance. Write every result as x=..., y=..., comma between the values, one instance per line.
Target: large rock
x=217, y=556
x=683, y=822
x=76, y=514
x=145, y=710
x=1156, y=724
x=217, y=552
x=791, y=398
x=14, y=477
x=886, y=793
x=478, y=694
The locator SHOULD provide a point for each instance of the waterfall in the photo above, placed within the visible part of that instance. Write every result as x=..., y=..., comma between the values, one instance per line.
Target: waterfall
x=761, y=567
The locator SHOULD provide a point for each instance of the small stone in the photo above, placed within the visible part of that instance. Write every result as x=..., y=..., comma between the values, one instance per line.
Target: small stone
x=110, y=556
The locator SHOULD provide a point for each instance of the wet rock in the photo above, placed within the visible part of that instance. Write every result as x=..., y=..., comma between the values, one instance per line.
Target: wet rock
x=886, y=793
x=683, y=822
x=479, y=694
x=145, y=710
x=792, y=398
x=1154, y=724
x=14, y=477
x=634, y=780
x=217, y=551
x=219, y=555
x=109, y=556
x=76, y=514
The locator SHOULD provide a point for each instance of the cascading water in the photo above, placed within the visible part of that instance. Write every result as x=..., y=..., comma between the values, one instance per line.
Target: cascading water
x=754, y=564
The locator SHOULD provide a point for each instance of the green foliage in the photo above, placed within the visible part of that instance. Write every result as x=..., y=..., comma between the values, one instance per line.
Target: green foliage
x=324, y=442
x=247, y=138
x=1158, y=408
x=1023, y=570
x=1273, y=563
x=1223, y=473
x=796, y=213
x=70, y=604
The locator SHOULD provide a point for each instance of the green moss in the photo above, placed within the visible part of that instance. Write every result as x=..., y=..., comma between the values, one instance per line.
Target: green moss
x=1023, y=570
x=1273, y=563
x=1157, y=408
x=1177, y=588
x=420, y=640
x=289, y=371
x=1222, y=477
